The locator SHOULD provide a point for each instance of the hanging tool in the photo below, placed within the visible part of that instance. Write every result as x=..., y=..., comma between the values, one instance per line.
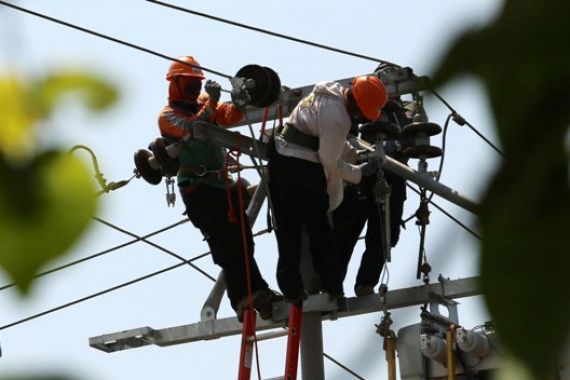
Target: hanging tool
x=422, y=215
x=379, y=131
x=383, y=329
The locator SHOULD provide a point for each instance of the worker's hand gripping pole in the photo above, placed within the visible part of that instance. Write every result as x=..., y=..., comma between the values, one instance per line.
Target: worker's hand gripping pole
x=293, y=340
x=247, y=342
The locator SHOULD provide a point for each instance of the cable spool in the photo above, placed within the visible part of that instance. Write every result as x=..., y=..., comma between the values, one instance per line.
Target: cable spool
x=266, y=85
x=147, y=167
x=416, y=138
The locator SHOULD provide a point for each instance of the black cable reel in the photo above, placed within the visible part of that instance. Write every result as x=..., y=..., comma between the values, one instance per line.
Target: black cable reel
x=255, y=85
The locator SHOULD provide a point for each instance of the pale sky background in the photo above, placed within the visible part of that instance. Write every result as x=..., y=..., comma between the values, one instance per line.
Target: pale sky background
x=409, y=33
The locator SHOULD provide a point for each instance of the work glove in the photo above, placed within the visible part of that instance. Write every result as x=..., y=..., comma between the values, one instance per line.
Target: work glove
x=369, y=168
x=213, y=89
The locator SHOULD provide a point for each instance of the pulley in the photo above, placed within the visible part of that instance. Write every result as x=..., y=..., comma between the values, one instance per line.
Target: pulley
x=416, y=138
x=147, y=167
x=255, y=85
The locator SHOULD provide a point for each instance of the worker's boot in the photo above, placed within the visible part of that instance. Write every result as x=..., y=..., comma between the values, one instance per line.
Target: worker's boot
x=363, y=290
x=263, y=302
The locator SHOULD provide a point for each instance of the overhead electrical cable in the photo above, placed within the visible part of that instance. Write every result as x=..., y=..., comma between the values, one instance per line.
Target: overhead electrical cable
x=153, y=245
x=94, y=295
x=448, y=214
x=343, y=366
x=104, y=252
x=317, y=45
x=149, y=51
x=109, y=38
x=271, y=33
x=461, y=120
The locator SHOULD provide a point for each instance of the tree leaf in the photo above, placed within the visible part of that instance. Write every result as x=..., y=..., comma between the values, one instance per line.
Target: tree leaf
x=62, y=195
x=525, y=255
x=95, y=93
x=16, y=119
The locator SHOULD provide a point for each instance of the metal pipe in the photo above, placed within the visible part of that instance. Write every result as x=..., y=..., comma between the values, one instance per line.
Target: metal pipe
x=271, y=335
x=312, y=350
x=425, y=181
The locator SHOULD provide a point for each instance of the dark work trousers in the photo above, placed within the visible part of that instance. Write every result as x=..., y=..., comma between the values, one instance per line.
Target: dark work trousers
x=357, y=208
x=207, y=209
x=299, y=194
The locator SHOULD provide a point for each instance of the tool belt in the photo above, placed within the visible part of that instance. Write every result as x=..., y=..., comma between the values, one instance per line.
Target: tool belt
x=289, y=133
x=200, y=171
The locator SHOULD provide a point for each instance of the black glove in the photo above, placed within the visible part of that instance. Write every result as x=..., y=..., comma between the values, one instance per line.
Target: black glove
x=369, y=168
x=213, y=89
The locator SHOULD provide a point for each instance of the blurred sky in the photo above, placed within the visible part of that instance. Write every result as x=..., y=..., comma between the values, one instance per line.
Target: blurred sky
x=409, y=33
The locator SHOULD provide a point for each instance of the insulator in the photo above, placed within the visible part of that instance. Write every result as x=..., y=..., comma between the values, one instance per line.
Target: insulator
x=433, y=347
x=422, y=151
x=472, y=342
x=415, y=138
x=147, y=166
x=168, y=164
x=387, y=130
x=419, y=128
x=267, y=84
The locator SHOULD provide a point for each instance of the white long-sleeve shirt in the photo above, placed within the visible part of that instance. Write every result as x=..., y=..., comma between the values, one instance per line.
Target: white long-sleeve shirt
x=323, y=114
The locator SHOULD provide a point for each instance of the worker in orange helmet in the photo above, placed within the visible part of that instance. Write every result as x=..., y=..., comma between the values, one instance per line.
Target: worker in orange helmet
x=306, y=170
x=203, y=185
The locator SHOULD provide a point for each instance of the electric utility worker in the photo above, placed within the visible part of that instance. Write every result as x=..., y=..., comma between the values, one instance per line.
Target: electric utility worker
x=204, y=186
x=359, y=207
x=306, y=173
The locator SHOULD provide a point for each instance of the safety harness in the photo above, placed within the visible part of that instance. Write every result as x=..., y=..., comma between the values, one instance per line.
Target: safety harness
x=291, y=134
x=199, y=171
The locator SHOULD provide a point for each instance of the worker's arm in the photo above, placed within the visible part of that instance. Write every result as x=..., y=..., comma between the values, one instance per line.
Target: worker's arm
x=333, y=129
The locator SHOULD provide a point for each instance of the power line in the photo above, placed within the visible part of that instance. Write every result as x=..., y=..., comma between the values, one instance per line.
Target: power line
x=461, y=121
x=100, y=293
x=271, y=33
x=317, y=45
x=154, y=245
x=448, y=215
x=109, y=38
x=104, y=252
x=149, y=51
x=343, y=366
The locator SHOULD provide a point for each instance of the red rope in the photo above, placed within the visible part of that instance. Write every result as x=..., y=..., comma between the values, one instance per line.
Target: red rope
x=263, y=122
x=244, y=239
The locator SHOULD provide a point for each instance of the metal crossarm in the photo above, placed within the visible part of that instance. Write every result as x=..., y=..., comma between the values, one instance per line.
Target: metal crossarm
x=214, y=329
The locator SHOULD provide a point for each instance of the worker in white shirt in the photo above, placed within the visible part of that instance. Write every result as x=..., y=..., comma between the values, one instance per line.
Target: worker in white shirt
x=306, y=173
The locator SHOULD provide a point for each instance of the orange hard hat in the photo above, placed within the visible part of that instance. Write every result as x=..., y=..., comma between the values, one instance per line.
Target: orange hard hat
x=191, y=68
x=370, y=95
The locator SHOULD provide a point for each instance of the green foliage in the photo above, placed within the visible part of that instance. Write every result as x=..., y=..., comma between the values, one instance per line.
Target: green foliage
x=47, y=199
x=95, y=93
x=524, y=218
